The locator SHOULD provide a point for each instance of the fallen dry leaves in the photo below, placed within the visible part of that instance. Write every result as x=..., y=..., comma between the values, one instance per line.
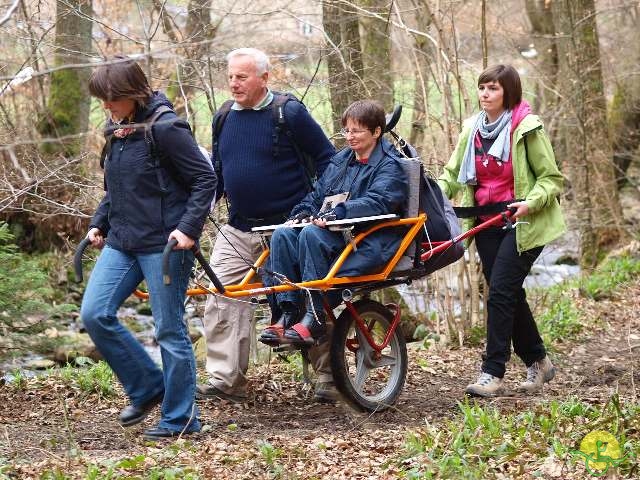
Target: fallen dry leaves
x=280, y=433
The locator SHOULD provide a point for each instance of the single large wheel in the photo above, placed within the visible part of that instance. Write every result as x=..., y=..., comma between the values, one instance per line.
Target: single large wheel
x=369, y=379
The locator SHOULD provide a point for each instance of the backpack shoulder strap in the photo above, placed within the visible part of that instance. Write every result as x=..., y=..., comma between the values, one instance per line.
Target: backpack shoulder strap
x=279, y=121
x=106, y=149
x=216, y=127
x=281, y=126
x=148, y=133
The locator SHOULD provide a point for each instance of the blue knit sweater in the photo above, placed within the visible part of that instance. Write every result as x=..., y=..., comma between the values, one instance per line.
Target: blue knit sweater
x=259, y=185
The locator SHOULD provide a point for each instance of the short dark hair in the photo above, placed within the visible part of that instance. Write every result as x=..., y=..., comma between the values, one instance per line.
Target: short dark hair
x=508, y=78
x=368, y=113
x=121, y=78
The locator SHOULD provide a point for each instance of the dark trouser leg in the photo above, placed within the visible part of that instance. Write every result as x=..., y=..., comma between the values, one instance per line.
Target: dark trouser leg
x=527, y=343
x=317, y=250
x=508, y=314
x=283, y=259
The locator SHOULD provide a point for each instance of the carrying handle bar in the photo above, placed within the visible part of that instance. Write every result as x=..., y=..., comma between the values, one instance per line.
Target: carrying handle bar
x=166, y=276
x=77, y=258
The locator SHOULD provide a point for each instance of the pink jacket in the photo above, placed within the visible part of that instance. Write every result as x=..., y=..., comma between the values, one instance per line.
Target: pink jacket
x=495, y=180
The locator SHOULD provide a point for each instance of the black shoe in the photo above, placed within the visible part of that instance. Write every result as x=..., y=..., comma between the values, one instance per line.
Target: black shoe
x=309, y=331
x=130, y=415
x=289, y=317
x=159, y=433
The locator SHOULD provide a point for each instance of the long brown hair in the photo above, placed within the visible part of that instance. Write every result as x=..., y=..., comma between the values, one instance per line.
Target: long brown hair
x=121, y=78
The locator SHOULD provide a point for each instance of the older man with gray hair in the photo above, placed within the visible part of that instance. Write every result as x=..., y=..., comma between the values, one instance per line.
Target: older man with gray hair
x=262, y=177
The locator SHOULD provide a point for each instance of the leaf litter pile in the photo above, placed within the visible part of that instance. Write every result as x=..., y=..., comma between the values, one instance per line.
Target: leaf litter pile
x=50, y=428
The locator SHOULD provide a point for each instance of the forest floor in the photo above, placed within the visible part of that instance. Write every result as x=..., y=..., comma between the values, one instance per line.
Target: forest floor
x=53, y=429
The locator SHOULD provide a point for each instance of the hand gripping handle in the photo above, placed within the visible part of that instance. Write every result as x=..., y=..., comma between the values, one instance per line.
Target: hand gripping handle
x=166, y=276
x=77, y=258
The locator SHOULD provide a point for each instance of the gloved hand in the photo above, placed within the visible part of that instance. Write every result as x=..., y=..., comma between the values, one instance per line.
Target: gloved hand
x=301, y=217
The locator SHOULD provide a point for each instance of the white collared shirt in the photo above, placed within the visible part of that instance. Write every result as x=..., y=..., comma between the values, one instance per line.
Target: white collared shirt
x=267, y=99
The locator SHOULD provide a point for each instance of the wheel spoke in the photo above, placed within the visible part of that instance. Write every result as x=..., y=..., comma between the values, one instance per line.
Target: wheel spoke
x=362, y=371
x=386, y=361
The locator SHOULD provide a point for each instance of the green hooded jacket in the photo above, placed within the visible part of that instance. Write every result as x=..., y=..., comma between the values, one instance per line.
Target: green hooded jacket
x=536, y=179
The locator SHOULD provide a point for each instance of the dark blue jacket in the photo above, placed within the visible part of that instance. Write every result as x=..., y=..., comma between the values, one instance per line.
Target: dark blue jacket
x=146, y=200
x=378, y=187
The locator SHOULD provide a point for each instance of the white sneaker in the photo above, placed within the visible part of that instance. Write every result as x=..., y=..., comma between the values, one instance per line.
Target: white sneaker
x=486, y=386
x=538, y=374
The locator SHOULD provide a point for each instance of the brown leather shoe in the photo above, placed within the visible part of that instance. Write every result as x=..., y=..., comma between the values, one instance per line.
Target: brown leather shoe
x=206, y=391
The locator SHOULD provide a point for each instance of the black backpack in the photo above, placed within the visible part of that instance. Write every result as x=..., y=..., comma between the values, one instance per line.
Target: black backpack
x=155, y=155
x=442, y=223
x=277, y=107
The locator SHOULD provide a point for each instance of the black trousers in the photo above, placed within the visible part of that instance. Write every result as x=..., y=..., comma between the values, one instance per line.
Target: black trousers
x=509, y=317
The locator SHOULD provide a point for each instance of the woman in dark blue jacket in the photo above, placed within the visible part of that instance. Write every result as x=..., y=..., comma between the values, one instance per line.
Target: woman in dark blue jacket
x=362, y=180
x=152, y=195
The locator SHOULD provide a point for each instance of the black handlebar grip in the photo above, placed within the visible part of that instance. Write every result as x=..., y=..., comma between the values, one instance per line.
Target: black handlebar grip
x=209, y=271
x=166, y=276
x=77, y=258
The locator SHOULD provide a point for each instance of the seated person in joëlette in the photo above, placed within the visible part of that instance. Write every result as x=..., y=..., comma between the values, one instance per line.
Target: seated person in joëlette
x=364, y=179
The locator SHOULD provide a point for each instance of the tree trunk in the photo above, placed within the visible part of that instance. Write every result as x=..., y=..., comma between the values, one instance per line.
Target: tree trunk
x=344, y=58
x=423, y=52
x=199, y=33
x=542, y=29
x=624, y=117
x=376, y=53
x=69, y=101
x=584, y=129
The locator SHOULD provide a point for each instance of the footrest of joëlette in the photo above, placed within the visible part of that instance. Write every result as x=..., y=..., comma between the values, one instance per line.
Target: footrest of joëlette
x=292, y=347
x=278, y=348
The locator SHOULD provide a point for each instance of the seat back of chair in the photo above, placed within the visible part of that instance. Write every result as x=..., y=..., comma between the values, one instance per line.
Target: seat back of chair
x=413, y=170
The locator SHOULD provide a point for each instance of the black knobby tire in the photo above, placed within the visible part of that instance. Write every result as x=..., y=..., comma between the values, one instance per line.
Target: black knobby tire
x=369, y=383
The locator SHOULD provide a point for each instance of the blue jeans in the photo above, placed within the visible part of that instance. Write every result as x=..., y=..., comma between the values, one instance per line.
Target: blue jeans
x=303, y=254
x=114, y=278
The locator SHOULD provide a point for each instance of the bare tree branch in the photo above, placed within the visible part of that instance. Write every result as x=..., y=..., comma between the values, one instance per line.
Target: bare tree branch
x=7, y=15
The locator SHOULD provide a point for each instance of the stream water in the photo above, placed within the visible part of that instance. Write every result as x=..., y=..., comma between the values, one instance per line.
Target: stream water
x=545, y=272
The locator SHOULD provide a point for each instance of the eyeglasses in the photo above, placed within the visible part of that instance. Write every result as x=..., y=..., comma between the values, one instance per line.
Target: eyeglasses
x=345, y=131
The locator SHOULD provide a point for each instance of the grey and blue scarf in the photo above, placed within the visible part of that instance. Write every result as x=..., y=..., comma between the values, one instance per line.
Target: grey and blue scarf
x=500, y=130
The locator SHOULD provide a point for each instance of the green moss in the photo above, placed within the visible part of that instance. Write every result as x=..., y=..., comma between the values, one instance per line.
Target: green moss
x=64, y=111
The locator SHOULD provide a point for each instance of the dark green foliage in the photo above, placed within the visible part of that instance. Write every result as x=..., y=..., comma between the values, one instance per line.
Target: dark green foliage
x=24, y=287
x=610, y=276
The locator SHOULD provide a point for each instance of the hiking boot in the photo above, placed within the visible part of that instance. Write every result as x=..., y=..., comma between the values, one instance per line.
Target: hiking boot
x=325, y=392
x=486, y=386
x=538, y=373
x=206, y=391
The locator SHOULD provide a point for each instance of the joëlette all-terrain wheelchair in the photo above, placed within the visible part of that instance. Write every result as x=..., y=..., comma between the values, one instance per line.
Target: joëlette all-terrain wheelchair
x=368, y=349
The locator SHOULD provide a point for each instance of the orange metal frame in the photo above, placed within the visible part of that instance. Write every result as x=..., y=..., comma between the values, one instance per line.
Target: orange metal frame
x=249, y=287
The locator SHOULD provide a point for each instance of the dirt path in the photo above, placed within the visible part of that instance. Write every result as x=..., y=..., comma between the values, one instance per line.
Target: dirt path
x=50, y=426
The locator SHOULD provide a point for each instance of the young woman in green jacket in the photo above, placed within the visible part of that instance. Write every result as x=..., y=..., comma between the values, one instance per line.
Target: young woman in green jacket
x=504, y=155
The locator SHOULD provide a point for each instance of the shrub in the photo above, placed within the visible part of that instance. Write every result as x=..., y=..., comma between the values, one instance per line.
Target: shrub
x=24, y=287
